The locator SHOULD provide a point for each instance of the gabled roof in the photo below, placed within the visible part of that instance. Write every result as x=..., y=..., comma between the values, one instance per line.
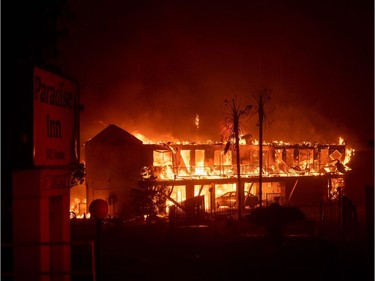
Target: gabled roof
x=114, y=135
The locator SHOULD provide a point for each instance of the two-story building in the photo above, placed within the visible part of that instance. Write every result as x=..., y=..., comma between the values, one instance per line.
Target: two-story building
x=294, y=174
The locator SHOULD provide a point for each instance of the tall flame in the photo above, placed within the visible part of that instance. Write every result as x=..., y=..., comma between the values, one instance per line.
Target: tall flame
x=197, y=121
x=349, y=152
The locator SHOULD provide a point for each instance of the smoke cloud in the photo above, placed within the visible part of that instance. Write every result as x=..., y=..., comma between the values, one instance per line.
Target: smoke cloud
x=151, y=67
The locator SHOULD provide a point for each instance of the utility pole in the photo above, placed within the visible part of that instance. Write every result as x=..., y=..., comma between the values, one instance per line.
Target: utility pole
x=260, y=116
x=240, y=191
x=261, y=98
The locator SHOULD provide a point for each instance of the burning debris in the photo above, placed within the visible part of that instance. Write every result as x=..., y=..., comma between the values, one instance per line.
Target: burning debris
x=281, y=159
x=190, y=169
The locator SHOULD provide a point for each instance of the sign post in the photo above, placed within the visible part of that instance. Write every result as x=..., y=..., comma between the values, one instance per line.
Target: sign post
x=41, y=194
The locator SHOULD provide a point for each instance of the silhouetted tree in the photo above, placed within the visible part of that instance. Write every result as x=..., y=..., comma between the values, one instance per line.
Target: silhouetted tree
x=149, y=197
x=78, y=174
x=232, y=123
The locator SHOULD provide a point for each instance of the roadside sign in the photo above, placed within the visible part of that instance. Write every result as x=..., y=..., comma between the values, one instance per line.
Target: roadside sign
x=56, y=119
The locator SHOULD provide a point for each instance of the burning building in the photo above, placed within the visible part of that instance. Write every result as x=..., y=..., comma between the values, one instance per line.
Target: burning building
x=302, y=174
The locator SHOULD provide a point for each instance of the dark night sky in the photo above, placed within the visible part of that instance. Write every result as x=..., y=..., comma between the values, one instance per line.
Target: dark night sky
x=151, y=66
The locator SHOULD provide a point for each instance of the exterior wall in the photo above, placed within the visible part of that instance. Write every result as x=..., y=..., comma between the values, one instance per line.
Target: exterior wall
x=113, y=168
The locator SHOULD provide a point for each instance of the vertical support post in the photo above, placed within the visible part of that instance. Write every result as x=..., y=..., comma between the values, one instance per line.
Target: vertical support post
x=93, y=259
x=291, y=193
x=340, y=203
x=97, y=249
x=260, y=164
x=212, y=200
x=261, y=99
x=240, y=191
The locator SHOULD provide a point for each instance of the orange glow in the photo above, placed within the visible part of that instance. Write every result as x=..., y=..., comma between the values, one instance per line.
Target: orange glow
x=223, y=165
x=242, y=141
x=280, y=159
x=183, y=160
x=349, y=153
x=142, y=138
x=199, y=163
x=78, y=207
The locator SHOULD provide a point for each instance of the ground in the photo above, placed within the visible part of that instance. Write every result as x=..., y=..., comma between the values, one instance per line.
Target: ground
x=216, y=252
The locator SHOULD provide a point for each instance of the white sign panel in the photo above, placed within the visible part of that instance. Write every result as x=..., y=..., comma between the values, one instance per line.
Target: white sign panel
x=55, y=119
